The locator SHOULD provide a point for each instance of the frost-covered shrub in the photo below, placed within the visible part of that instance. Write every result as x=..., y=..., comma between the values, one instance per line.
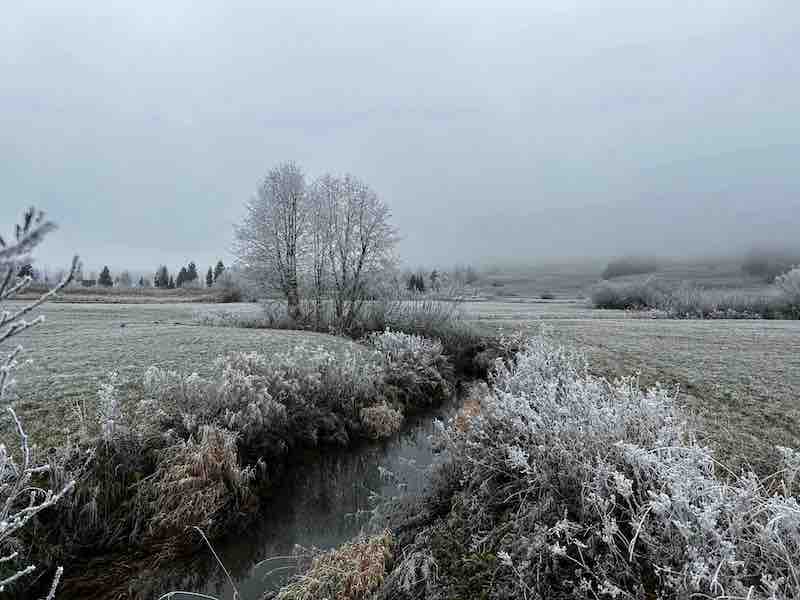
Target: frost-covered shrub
x=688, y=301
x=789, y=286
x=629, y=294
x=415, y=369
x=381, y=421
x=767, y=264
x=573, y=486
x=109, y=414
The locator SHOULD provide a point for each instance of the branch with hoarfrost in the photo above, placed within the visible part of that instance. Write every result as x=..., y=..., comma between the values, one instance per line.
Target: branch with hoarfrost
x=21, y=496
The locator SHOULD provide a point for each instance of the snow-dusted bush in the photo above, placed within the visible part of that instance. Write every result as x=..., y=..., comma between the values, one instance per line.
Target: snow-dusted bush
x=415, y=369
x=689, y=301
x=629, y=294
x=573, y=486
x=789, y=286
x=381, y=421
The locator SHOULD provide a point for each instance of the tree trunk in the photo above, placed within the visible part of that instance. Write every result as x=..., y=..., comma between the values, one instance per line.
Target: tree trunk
x=293, y=301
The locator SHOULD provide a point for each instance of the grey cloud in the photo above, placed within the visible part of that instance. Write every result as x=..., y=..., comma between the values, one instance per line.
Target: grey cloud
x=516, y=129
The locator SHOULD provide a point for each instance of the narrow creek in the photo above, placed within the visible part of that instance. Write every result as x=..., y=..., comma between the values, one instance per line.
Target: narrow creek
x=322, y=503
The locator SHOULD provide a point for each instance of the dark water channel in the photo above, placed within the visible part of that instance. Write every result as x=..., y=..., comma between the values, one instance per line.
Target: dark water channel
x=322, y=503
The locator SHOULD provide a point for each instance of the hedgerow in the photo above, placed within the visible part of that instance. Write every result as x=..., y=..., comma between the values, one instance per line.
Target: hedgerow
x=687, y=301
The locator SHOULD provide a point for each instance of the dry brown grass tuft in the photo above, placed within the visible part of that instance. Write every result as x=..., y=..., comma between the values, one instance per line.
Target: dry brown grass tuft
x=381, y=421
x=471, y=407
x=196, y=480
x=351, y=572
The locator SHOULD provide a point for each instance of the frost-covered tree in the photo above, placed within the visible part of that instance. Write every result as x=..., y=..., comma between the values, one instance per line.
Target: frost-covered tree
x=22, y=495
x=269, y=239
x=335, y=235
x=105, y=278
x=125, y=279
x=321, y=197
x=361, y=243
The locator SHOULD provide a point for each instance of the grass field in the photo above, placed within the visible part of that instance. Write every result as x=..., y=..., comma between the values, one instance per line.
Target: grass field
x=79, y=344
x=741, y=378
x=114, y=295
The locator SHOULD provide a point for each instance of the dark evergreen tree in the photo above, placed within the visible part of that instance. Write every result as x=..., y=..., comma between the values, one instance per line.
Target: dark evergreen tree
x=218, y=270
x=161, y=280
x=171, y=284
x=191, y=272
x=141, y=282
x=210, y=277
x=416, y=283
x=105, y=278
x=181, y=279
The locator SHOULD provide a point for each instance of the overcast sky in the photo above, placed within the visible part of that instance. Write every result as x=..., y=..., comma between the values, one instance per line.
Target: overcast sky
x=519, y=130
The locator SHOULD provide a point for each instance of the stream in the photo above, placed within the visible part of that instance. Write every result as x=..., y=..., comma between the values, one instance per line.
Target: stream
x=322, y=502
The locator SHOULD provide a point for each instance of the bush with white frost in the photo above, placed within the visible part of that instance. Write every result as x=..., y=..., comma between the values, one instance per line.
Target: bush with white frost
x=789, y=286
x=416, y=372
x=570, y=486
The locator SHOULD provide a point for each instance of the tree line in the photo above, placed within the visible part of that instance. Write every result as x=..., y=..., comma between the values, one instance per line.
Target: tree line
x=188, y=276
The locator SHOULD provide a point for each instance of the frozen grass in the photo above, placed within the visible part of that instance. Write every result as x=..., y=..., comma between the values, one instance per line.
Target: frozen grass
x=113, y=295
x=82, y=343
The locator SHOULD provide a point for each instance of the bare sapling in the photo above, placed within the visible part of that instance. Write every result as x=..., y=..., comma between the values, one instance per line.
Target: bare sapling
x=22, y=493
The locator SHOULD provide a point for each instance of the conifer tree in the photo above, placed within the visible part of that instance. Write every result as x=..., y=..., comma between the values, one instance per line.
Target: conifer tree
x=105, y=277
x=210, y=277
x=218, y=270
x=171, y=284
x=161, y=279
x=191, y=272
